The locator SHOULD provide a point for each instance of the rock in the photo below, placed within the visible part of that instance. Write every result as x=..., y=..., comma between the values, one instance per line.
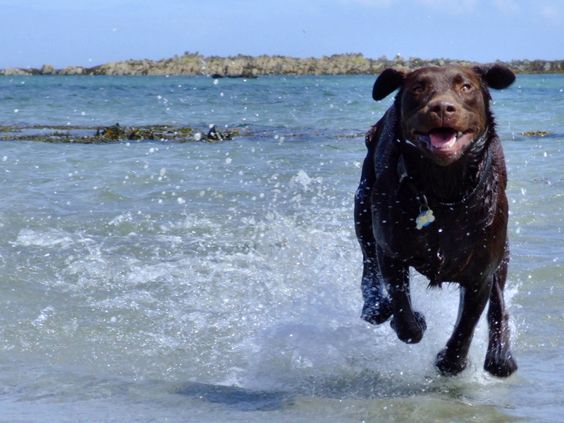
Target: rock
x=214, y=134
x=242, y=66
x=539, y=134
x=72, y=70
x=114, y=133
x=15, y=72
x=47, y=70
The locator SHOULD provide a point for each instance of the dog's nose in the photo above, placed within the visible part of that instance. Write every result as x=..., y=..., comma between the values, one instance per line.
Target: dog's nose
x=442, y=108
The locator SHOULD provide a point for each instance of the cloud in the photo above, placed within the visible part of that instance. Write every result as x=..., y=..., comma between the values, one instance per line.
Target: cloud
x=507, y=7
x=456, y=7
x=370, y=3
x=551, y=14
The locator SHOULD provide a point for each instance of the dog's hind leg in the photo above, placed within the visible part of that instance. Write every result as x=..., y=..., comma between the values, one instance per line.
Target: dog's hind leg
x=499, y=360
x=409, y=325
x=377, y=305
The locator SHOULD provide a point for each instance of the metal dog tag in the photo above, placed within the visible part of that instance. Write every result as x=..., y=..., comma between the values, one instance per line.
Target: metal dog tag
x=424, y=219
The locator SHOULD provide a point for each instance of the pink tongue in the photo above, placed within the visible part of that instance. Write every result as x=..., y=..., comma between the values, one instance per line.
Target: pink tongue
x=440, y=138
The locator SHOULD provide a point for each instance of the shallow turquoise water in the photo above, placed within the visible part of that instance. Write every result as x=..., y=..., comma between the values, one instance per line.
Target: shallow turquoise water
x=220, y=282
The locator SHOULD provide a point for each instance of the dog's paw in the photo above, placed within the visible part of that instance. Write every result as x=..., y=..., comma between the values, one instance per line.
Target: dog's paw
x=410, y=331
x=449, y=366
x=378, y=312
x=500, y=362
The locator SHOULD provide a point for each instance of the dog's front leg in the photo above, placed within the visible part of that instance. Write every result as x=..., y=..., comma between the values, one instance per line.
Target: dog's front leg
x=452, y=359
x=499, y=360
x=377, y=305
x=409, y=325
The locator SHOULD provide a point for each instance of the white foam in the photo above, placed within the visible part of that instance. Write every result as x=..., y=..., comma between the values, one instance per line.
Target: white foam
x=43, y=238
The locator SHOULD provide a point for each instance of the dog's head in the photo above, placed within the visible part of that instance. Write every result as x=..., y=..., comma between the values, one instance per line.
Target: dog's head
x=443, y=110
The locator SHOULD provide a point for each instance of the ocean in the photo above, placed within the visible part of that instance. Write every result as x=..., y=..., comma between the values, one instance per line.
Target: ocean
x=158, y=281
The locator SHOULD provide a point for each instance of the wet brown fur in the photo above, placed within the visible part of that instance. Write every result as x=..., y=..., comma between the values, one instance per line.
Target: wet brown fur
x=464, y=186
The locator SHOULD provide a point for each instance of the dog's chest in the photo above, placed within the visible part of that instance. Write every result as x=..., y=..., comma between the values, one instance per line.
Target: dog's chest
x=446, y=247
x=441, y=250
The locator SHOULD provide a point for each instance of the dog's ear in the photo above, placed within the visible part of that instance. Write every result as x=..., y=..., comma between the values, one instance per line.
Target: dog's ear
x=387, y=82
x=496, y=76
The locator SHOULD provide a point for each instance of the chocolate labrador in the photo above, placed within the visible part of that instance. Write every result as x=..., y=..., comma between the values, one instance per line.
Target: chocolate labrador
x=432, y=197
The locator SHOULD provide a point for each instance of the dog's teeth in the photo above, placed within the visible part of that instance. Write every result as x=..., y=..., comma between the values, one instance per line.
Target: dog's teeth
x=459, y=134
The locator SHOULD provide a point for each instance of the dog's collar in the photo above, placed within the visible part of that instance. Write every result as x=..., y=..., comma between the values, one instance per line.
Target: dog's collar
x=426, y=216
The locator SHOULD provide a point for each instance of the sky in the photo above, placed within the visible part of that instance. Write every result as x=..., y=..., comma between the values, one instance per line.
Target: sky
x=92, y=32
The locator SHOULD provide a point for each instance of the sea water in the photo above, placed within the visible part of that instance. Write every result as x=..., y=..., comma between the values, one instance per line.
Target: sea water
x=195, y=282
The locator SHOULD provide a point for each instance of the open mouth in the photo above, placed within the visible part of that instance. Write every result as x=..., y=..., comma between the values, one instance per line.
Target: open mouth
x=443, y=138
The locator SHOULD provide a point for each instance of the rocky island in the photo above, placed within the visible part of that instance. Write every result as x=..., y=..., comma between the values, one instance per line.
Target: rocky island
x=254, y=66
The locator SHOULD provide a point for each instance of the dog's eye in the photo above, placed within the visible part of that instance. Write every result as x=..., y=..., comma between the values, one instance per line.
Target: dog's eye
x=418, y=89
x=466, y=88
